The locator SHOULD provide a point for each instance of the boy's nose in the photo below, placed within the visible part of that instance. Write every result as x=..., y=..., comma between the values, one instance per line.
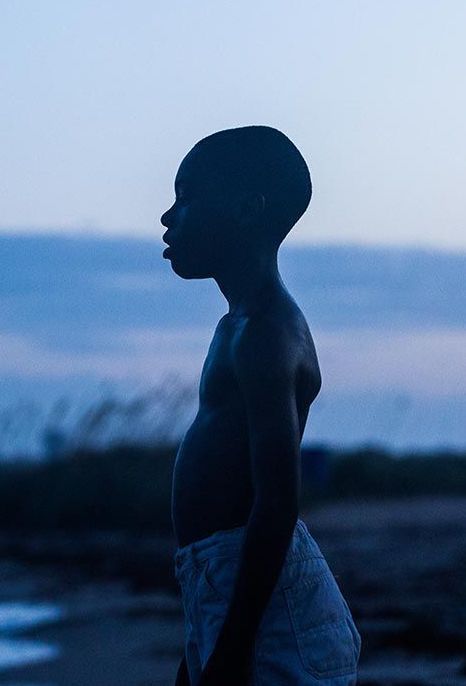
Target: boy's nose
x=163, y=219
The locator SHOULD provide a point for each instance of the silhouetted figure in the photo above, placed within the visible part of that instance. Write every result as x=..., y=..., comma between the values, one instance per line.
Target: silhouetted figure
x=260, y=602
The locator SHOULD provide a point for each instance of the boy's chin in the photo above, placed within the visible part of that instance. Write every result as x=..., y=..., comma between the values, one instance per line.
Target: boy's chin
x=189, y=272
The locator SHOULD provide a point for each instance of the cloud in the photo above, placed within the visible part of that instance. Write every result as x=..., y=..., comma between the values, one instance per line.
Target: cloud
x=141, y=356
x=420, y=362
x=131, y=282
x=424, y=362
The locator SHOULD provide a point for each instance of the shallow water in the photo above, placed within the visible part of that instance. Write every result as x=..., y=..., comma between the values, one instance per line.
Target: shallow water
x=15, y=616
x=99, y=633
x=16, y=651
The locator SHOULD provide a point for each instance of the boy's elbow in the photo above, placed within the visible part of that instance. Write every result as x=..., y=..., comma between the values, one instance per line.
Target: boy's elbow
x=282, y=505
x=317, y=383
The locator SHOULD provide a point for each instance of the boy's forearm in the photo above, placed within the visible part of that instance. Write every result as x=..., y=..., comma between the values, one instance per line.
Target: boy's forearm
x=267, y=539
x=182, y=676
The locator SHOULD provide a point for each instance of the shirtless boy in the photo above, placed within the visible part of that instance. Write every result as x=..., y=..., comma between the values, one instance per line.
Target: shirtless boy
x=261, y=605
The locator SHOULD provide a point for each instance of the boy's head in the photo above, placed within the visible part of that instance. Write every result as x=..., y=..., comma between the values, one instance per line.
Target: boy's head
x=237, y=189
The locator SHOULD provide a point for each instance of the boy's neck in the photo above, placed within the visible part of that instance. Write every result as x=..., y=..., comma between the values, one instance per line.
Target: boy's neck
x=248, y=284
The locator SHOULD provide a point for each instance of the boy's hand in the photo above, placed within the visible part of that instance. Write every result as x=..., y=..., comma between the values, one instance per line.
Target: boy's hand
x=220, y=671
x=182, y=676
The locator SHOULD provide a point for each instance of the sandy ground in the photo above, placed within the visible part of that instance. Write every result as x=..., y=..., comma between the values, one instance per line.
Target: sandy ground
x=401, y=565
x=107, y=634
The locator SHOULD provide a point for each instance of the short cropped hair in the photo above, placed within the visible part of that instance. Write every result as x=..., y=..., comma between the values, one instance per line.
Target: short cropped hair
x=263, y=159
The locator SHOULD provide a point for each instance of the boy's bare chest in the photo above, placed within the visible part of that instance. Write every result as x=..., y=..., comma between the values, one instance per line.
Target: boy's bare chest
x=212, y=479
x=218, y=383
x=212, y=487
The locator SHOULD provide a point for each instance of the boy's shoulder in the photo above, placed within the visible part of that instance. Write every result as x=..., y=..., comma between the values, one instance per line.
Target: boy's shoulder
x=278, y=337
x=273, y=355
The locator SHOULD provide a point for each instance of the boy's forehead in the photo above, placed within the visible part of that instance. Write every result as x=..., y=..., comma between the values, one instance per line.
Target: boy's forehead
x=209, y=166
x=193, y=166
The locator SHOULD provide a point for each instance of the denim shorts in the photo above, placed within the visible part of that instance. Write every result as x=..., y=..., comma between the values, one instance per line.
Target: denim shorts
x=307, y=634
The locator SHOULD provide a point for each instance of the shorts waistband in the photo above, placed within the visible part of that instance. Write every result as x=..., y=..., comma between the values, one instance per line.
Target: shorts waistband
x=228, y=542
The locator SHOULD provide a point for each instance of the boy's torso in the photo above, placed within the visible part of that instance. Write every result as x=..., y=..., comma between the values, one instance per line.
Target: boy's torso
x=212, y=487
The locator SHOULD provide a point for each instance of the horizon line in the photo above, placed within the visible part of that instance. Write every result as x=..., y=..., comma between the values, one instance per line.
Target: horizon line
x=125, y=235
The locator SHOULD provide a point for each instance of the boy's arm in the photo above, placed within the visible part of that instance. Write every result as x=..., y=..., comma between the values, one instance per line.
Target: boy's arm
x=182, y=675
x=265, y=360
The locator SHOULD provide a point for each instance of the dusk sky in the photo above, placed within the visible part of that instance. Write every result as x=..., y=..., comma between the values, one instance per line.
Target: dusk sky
x=388, y=325
x=102, y=99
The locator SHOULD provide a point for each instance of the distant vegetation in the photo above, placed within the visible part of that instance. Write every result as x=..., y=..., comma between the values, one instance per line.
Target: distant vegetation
x=375, y=473
x=128, y=487
x=111, y=468
x=155, y=416
x=118, y=488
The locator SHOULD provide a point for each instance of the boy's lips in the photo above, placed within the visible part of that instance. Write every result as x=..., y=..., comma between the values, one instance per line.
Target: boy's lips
x=167, y=252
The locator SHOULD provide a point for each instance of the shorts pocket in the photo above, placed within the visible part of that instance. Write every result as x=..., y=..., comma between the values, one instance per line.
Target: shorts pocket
x=323, y=630
x=218, y=576
x=187, y=582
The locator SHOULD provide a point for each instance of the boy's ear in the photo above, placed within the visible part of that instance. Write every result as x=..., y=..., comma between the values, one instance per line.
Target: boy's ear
x=252, y=207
